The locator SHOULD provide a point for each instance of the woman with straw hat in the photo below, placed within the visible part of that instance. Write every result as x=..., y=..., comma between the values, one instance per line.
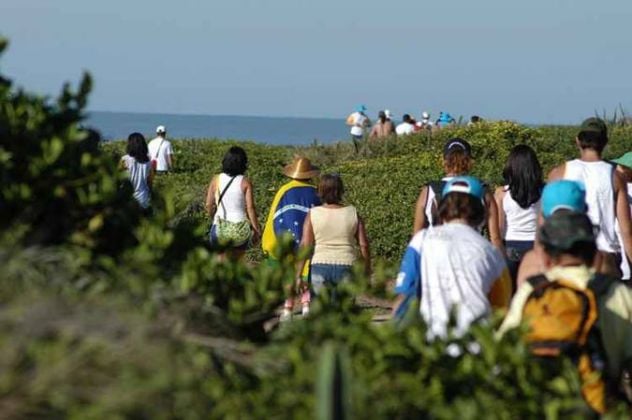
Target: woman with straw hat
x=291, y=204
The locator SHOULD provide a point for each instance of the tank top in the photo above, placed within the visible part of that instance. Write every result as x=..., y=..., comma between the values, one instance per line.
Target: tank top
x=334, y=235
x=597, y=178
x=520, y=224
x=233, y=205
x=433, y=199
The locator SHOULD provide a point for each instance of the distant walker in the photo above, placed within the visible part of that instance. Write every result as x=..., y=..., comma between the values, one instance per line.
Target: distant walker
x=160, y=151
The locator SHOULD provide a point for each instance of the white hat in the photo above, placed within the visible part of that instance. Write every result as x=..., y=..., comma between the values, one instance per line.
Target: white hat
x=161, y=129
x=425, y=115
x=388, y=114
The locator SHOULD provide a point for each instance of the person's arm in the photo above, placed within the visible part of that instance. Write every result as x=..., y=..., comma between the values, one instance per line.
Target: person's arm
x=623, y=213
x=500, y=294
x=363, y=242
x=307, y=242
x=210, y=198
x=492, y=222
x=499, y=195
x=420, y=210
x=373, y=133
x=251, y=211
x=408, y=282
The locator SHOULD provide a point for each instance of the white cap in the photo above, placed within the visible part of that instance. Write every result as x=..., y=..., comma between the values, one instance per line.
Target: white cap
x=425, y=115
x=388, y=114
x=161, y=129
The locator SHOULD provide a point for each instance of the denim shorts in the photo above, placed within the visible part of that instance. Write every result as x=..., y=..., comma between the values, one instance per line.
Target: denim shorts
x=328, y=275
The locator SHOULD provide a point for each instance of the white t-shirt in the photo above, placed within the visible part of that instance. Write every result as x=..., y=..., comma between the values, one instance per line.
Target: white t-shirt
x=455, y=268
x=138, y=177
x=359, y=121
x=405, y=129
x=159, y=149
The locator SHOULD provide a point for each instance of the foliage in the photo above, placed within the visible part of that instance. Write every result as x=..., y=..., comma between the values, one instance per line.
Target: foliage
x=106, y=313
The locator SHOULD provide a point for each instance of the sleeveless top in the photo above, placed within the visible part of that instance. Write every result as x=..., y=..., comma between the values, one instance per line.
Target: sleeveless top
x=138, y=177
x=600, y=199
x=334, y=235
x=433, y=199
x=233, y=205
x=520, y=224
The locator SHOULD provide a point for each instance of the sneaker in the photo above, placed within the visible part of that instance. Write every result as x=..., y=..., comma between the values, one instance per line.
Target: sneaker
x=286, y=315
x=305, y=310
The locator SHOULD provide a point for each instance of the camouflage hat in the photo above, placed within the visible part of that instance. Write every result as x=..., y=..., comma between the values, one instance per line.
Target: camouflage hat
x=565, y=229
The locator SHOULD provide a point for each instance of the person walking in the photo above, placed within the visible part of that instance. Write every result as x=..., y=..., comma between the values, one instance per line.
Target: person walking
x=136, y=164
x=602, y=348
x=383, y=127
x=359, y=122
x=231, y=206
x=333, y=231
x=290, y=206
x=160, y=151
x=457, y=161
x=606, y=190
x=452, y=267
x=406, y=127
x=518, y=203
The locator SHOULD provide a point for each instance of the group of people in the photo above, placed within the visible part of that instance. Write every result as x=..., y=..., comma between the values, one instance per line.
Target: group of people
x=307, y=215
x=560, y=248
x=142, y=161
x=555, y=254
x=361, y=125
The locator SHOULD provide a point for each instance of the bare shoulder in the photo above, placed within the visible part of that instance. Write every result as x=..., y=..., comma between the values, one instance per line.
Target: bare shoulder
x=557, y=172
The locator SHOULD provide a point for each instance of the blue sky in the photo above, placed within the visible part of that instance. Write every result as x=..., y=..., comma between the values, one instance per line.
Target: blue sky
x=538, y=61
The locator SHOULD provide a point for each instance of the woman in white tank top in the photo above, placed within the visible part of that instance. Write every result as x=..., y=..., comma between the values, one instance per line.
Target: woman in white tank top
x=518, y=205
x=234, y=193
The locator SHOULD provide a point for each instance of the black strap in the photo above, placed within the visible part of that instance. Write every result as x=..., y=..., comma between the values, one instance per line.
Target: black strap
x=600, y=284
x=537, y=282
x=219, y=200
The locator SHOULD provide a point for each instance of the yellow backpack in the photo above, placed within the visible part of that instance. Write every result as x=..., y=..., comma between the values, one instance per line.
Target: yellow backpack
x=561, y=318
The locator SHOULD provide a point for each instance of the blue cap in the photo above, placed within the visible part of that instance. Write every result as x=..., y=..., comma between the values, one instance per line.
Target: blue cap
x=361, y=108
x=464, y=184
x=563, y=194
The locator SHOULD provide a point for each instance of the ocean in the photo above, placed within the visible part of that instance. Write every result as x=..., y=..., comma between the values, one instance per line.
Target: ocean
x=270, y=130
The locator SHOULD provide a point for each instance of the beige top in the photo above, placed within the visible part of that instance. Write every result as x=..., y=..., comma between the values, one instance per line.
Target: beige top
x=334, y=235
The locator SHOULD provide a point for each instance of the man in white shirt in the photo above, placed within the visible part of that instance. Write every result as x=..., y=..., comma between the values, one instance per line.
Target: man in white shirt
x=359, y=122
x=406, y=127
x=160, y=151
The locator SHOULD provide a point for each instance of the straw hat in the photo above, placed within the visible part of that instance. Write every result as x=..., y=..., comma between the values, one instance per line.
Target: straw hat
x=301, y=168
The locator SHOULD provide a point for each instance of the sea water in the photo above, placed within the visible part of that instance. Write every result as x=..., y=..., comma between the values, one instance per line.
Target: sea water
x=271, y=130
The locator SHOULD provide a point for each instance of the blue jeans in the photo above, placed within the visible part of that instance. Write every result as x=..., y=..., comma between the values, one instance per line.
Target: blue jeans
x=514, y=252
x=329, y=276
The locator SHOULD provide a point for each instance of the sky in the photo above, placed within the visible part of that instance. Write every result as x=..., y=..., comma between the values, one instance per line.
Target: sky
x=537, y=61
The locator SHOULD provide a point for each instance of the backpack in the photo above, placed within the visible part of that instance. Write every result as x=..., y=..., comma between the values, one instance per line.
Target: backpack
x=562, y=320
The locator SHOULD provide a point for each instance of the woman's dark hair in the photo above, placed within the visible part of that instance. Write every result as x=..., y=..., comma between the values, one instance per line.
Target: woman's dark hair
x=331, y=189
x=523, y=176
x=235, y=161
x=458, y=205
x=457, y=162
x=592, y=140
x=382, y=117
x=137, y=147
